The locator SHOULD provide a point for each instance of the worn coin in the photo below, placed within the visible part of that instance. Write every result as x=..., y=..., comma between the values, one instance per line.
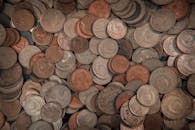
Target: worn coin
x=70, y=27
x=153, y=121
x=175, y=124
x=2, y=34
x=20, y=45
x=64, y=41
x=23, y=121
x=153, y=64
x=93, y=45
x=54, y=54
x=112, y=121
x=40, y=124
x=190, y=84
x=79, y=44
x=86, y=57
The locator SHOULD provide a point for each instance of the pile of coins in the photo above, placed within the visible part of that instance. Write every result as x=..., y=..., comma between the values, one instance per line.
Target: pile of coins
x=97, y=65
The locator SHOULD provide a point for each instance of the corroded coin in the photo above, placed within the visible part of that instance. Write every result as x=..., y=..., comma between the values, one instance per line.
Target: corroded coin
x=43, y=125
x=8, y=57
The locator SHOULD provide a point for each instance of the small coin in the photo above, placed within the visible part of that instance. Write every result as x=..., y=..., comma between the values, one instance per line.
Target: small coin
x=79, y=44
x=34, y=58
x=51, y=112
x=2, y=34
x=116, y=29
x=99, y=8
x=99, y=28
x=80, y=80
x=190, y=84
x=50, y=23
x=146, y=37
x=54, y=54
x=108, y=50
x=138, y=72
x=93, y=45
x=120, y=78
x=106, y=99
x=167, y=79
x=46, y=86
x=162, y=20
x=153, y=64
x=156, y=107
x=60, y=94
x=125, y=48
x=153, y=121
x=70, y=27
x=147, y=95
x=65, y=8
x=23, y=121
x=8, y=57
x=86, y=118
x=40, y=124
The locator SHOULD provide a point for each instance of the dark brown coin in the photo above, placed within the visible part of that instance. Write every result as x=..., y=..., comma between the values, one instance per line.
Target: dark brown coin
x=112, y=121
x=43, y=68
x=153, y=122
x=190, y=85
x=125, y=48
x=23, y=121
x=54, y=54
x=23, y=20
x=10, y=76
x=162, y=2
x=42, y=125
x=106, y=99
x=65, y=8
x=8, y=57
x=2, y=120
x=99, y=8
x=79, y=44
x=51, y=112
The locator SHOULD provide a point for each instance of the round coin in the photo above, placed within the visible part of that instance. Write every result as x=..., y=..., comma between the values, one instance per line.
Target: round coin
x=40, y=124
x=54, y=54
x=70, y=27
x=79, y=44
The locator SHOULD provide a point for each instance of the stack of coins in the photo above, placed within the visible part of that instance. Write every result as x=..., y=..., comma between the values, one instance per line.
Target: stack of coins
x=97, y=65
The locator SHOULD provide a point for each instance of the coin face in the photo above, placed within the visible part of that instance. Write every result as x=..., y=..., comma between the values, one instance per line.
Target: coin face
x=79, y=44
x=70, y=27
x=41, y=125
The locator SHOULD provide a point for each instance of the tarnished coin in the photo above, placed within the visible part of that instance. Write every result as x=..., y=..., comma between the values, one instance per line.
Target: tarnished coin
x=70, y=27
x=128, y=118
x=41, y=37
x=58, y=93
x=54, y=54
x=146, y=37
x=2, y=34
x=52, y=20
x=185, y=41
x=116, y=29
x=79, y=44
x=86, y=118
x=136, y=108
x=138, y=72
x=125, y=48
x=6, y=126
x=81, y=32
x=167, y=79
x=191, y=115
x=80, y=80
x=99, y=27
x=176, y=104
x=51, y=112
x=8, y=57
x=43, y=68
x=93, y=45
x=20, y=45
x=99, y=8
x=153, y=64
x=162, y=20
x=23, y=121
x=29, y=84
x=23, y=20
x=46, y=86
x=43, y=125
x=66, y=8
x=147, y=95
x=120, y=78
x=33, y=104
x=26, y=53
x=106, y=98
x=153, y=122
x=133, y=85
x=85, y=57
x=190, y=84
x=75, y=102
x=175, y=124
x=72, y=123
x=64, y=41
x=108, y=50
x=162, y=2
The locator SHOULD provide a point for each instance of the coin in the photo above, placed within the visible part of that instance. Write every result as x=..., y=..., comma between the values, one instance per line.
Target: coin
x=2, y=119
x=66, y=8
x=63, y=41
x=54, y=54
x=80, y=32
x=52, y=24
x=153, y=121
x=99, y=8
x=2, y=34
x=23, y=121
x=86, y=118
x=72, y=123
x=75, y=101
x=156, y=107
x=70, y=27
x=133, y=85
x=79, y=44
x=6, y=126
x=108, y=50
x=86, y=57
x=93, y=45
x=138, y=72
x=99, y=27
x=147, y=95
x=58, y=93
x=120, y=78
x=125, y=48
x=41, y=125
x=51, y=112
x=153, y=64
x=175, y=124
x=116, y=29
x=20, y=45
x=106, y=104
x=190, y=84
x=142, y=35
x=162, y=20
x=80, y=80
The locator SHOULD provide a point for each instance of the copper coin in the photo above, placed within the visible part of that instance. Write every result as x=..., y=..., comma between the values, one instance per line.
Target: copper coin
x=11, y=109
x=79, y=31
x=125, y=48
x=86, y=24
x=175, y=124
x=8, y=57
x=112, y=121
x=52, y=24
x=10, y=37
x=54, y=54
x=138, y=72
x=70, y=27
x=179, y=7
x=106, y=99
x=11, y=75
x=185, y=41
x=23, y=121
x=51, y=112
x=80, y=80
x=190, y=84
x=34, y=58
x=176, y=104
x=43, y=125
x=41, y=37
x=79, y=44
x=142, y=35
x=2, y=120
x=122, y=98
x=128, y=118
x=2, y=34
x=72, y=124
x=120, y=78
x=20, y=45
x=116, y=29
x=119, y=64
x=66, y=8
x=75, y=102
x=164, y=84
x=162, y=2
x=6, y=126
x=23, y=15
x=99, y=8
x=162, y=20
x=153, y=122
x=147, y=95
x=43, y=68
